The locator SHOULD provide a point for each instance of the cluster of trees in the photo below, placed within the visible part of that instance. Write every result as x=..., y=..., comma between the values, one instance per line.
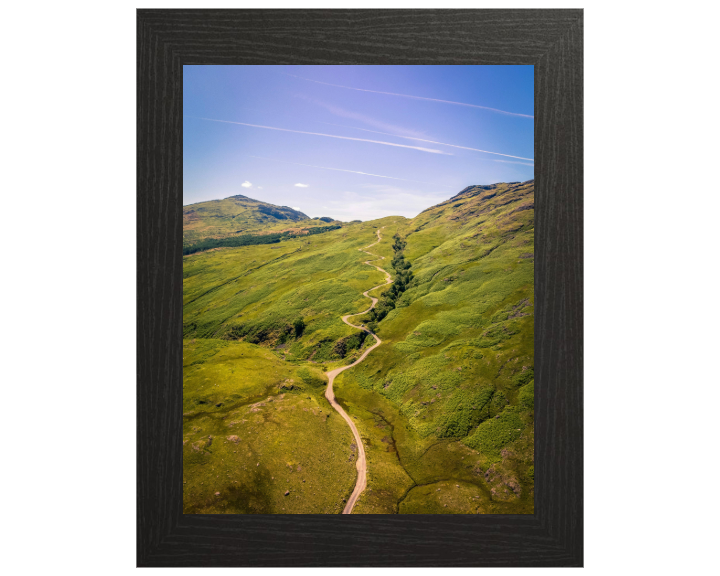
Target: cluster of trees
x=277, y=332
x=403, y=278
x=346, y=345
x=321, y=229
x=250, y=239
x=232, y=242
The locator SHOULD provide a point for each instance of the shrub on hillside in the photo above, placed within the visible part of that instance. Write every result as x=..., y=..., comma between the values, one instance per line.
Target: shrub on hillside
x=299, y=326
x=492, y=435
x=526, y=396
x=524, y=377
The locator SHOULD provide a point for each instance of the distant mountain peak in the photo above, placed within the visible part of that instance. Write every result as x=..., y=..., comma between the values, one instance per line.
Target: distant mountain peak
x=233, y=215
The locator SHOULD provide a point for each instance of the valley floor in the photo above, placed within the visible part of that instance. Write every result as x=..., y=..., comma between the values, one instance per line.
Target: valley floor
x=439, y=419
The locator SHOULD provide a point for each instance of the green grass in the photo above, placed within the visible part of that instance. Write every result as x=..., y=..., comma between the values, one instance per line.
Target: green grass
x=494, y=434
x=256, y=427
x=458, y=352
x=446, y=402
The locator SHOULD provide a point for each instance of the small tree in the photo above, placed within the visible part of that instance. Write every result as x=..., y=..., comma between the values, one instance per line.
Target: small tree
x=299, y=325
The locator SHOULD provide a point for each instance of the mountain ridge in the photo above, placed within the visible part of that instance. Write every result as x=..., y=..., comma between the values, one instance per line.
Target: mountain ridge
x=237, y=214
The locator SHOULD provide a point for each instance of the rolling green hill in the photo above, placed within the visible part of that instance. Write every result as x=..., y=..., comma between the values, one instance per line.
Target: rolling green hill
x=444, y=406
x=241, y=215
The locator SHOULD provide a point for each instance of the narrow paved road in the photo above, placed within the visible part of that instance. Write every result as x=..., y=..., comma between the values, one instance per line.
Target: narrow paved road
x=361, y=463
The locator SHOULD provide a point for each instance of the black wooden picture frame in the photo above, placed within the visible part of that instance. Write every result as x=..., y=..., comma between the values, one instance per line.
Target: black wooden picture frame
x=552, y=41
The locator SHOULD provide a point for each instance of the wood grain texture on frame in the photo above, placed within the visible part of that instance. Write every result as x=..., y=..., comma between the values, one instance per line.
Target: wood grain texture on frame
x=552, y=41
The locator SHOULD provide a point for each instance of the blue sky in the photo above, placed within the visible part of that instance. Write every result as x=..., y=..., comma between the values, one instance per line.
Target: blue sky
x=354, y=142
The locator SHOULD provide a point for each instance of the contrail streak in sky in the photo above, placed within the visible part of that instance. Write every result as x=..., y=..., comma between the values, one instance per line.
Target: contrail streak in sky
x=513, y=162
x=414, y=97
x=432, y=142
x=342, y=170
x=431, y=150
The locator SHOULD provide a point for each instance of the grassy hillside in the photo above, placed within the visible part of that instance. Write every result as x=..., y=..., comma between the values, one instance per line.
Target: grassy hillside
x=256, y=423
x=240, y=215
x=447, y=401
x=444, y=406
x=257, y=437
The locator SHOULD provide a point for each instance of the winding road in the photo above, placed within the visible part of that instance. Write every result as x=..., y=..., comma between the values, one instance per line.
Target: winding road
x=361, y=462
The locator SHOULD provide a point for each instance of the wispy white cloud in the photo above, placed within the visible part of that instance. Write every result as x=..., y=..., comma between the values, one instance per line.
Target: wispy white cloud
x=415, y=97
x=246, y=184
x=302, y=185
x=337, y=111
x=295, y=207
x=430, y=150
x=433, y=142
x=340, y=170
x=381, y=201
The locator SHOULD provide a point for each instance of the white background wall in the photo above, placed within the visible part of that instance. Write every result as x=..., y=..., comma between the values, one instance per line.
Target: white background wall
x=68, y=308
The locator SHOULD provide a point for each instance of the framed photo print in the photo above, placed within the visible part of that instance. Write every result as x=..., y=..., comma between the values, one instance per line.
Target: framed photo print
x=360, y=288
